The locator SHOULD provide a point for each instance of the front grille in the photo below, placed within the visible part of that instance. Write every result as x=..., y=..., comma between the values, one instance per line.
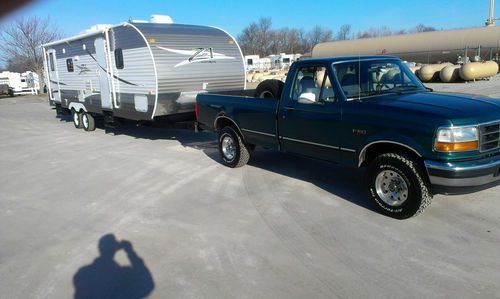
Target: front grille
x=490, y=136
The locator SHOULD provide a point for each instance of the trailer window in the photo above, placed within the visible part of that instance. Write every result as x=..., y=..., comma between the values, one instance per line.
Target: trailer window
x=51, y=61
x=69, y=65
x=119, y=58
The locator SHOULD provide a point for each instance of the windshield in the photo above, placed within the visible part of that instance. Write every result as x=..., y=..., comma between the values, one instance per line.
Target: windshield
x=374, y=77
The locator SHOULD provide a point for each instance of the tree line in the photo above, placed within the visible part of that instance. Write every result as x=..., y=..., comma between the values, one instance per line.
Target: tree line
x=259, y=38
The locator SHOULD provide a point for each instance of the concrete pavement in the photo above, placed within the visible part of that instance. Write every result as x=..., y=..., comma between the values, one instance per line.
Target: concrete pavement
x=280, y=227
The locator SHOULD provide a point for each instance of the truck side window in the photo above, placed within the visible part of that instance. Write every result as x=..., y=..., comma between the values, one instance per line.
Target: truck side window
x=69, y=65
x=312, y=85
x=119, y=58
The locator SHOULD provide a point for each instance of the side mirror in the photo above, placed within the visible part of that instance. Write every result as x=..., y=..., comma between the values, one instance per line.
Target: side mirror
x=307, y=98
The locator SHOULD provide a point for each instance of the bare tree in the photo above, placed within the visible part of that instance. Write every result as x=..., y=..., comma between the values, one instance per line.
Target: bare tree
x=423, y=28
x=264, y=36
x=20, y=43
x=248, y=39
x=317, y=35
x=344, y=32
x=257, y=38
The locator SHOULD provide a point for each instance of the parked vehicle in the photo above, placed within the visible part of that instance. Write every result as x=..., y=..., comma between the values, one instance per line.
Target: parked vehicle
x=367, y=112
x=140, y=70
x=19, y=84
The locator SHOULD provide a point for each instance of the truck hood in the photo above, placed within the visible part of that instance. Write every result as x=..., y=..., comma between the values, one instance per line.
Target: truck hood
x=460, y=109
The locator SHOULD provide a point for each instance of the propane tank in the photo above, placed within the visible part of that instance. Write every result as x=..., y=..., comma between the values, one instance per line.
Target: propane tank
x=450, y=73
x=428, y=72
x=478, y=70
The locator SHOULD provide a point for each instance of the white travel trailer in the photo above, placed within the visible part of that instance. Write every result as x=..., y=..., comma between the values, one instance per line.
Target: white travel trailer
x=19, y=84
x=141, y=70
x=252, y=62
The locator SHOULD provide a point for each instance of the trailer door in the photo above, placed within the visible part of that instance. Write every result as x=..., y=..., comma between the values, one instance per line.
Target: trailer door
x=104, y=75
x=53, y=75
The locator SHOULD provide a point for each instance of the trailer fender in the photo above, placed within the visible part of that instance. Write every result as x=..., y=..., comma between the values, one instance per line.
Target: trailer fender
x=77, y=107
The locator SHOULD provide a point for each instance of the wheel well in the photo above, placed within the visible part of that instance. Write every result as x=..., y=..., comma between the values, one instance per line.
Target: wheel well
x=378, y=149
x=223, y=122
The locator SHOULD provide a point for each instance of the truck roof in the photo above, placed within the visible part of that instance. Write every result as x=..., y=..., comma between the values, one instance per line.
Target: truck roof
x=348, y=58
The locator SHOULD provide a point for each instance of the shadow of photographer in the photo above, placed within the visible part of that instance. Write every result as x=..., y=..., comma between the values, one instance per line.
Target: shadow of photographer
x=105, y=278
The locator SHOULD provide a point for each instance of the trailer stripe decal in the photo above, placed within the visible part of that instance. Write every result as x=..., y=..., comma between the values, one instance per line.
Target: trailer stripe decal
x=114, y=76
x=55, y=82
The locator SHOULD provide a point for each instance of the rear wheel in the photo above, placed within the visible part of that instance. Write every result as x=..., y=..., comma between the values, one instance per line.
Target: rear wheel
x=397, y=186
x=88, y=121
x=269, y=89
x=77, y=119
x=233, y=151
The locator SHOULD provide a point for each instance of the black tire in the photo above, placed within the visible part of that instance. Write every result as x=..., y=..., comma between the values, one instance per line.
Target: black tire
x=269, y=89
x=11, y=92
x=88, y=121
x=418, y=195
x=77, y=119
x=241, y=153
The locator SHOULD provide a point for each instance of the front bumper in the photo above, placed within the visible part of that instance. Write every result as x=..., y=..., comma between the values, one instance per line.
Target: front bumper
x=463, y=177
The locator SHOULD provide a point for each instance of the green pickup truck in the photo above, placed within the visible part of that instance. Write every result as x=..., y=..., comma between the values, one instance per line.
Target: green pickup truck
x=369, y=112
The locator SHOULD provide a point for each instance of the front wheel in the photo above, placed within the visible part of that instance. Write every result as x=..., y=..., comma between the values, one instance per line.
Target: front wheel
x=397, y=186
x=233, y=151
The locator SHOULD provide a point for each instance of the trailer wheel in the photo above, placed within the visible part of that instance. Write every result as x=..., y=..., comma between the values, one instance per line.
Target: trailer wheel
x=269, y=89
x=88, y=121
x=233, y=151
x=397, y=186
x=77, y=119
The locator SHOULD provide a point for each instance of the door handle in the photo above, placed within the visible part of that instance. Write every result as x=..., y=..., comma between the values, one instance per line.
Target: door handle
x=289, y=108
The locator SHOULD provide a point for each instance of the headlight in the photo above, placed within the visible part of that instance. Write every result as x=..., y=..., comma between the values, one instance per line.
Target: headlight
x=457, y=139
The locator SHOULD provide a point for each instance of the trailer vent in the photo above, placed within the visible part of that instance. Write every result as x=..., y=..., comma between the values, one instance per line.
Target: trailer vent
x=161, y=19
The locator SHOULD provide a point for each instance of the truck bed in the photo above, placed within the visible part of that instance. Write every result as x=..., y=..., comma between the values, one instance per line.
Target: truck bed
x=254, y=117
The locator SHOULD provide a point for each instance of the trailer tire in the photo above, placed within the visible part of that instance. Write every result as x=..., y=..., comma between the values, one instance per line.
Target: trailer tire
x=88, y=121
x=397, y=186
x=77, y=119
x=269, y=89
x=233, y=151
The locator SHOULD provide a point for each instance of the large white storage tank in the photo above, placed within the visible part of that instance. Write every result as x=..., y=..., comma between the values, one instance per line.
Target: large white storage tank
x=425, y=47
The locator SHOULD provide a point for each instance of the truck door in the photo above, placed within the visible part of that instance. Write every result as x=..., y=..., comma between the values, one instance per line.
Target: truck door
x=103, y=71
x=309, y=120
x=55, y=90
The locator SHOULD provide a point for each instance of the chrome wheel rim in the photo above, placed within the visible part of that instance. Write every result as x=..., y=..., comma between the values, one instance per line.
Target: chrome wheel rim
x=391, y=188
x=266, y=95
x=76, y=120
x=228, y=147
x=85, y=120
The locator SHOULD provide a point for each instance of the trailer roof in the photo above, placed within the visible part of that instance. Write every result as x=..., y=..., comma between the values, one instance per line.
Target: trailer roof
x=77, y=37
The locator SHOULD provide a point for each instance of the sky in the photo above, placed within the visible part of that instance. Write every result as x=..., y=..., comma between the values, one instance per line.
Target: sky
x=73, y=16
